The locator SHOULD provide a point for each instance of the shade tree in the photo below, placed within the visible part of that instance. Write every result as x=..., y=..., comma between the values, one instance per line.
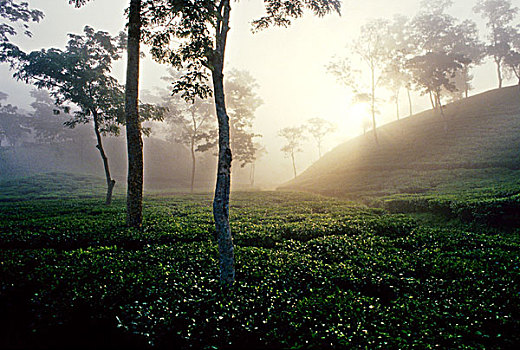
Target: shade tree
x=14, y=124
x=499, y=15
x=318, y=128
x=294, y=137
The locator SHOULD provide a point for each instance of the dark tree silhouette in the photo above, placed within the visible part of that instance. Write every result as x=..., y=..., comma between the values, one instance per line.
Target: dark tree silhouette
x=80, y=75
x=499, y=14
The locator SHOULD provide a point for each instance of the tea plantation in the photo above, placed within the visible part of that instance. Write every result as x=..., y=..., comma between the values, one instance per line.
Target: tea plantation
x=312, y=272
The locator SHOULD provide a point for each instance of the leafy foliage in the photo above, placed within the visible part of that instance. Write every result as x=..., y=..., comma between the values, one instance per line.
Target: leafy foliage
x=311, y=272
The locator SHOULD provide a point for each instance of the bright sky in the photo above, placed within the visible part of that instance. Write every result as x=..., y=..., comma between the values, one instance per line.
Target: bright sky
x=288, y=63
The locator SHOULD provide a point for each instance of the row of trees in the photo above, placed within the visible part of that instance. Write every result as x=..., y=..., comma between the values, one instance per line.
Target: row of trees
x=432, y=53
x=191, y=36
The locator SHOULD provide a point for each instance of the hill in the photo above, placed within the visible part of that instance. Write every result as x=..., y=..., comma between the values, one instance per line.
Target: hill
x=479, y=150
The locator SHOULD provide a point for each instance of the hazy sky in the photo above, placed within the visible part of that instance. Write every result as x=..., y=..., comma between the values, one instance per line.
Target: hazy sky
x=288, y=63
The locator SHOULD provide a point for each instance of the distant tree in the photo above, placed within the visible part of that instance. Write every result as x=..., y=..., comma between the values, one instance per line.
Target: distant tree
x=241, y=103
x=294, y=137
x=319, y=128
x=259, y=152
x=395, y=76
x=499, y=14
x=14, y=12
x=194, y=124
x=46, y=120
x=202, y=27
x=434, y=72
x=512, y=59
x=13, y=124
x=80, y=75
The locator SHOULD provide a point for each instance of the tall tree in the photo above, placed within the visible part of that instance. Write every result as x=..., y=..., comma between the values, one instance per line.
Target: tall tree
x=134, y=199
x=294, y=137
x=499, y=14
x=80, y=75
x=319, y=128
x=203, y=28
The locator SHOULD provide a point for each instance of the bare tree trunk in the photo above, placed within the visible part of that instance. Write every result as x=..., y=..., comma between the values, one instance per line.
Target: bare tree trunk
x=431, y=100
x=222, y=189
x=252, y=175
x=441, y=109
x=499, y=71
x=110, y=182
x=293, y=164
x=134, y=198
x=319, y=149
x=373, y=104
x=397, y=104
x=192, y=164
x=409, y=101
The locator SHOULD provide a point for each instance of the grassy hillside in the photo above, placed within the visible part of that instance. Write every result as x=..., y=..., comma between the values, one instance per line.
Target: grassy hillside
x=480, y=150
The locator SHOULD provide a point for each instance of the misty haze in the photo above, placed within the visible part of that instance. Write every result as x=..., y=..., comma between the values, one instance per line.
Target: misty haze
x=260, y=174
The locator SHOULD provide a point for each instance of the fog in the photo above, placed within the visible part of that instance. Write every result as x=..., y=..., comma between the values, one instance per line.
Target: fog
x=288, y=64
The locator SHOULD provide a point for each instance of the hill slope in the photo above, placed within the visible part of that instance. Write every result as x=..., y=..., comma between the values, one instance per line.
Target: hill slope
x=481, y=148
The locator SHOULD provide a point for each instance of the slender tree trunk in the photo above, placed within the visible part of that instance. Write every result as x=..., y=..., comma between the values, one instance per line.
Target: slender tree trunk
x=293, y=164
x=499, y=71
x=193, y=160
x=373, y=104
x=110, y=182
x=397, y=104
x=466, y=80
x=409, y=101
x=134, y=198
x=441, y=109
x=252, y=175
x=222, y=189
x=431, y=100
x=319, y=149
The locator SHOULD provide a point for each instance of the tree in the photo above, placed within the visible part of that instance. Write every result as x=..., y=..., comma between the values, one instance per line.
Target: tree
x=372, y=47
x=195, y=126
x=14, y=12
x=80, y=75
x=134, y=201
x=13, y=123
x=202, y=27
x=242, y=102
x=499, y=14
x=46, y=120
x=294, y=137
x=319, y=128
x=434, y=72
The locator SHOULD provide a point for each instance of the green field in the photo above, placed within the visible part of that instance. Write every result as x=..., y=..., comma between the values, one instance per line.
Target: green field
x=311, y=272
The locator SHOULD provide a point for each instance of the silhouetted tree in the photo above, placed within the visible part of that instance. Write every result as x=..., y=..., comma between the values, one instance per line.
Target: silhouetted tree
x=203, y=27
x=194, y=124
x=241, y=103
x=13, y=123
x=319, y=128
x=14, y=12
x=294, y=137
x=80, y=75
x=499, y=14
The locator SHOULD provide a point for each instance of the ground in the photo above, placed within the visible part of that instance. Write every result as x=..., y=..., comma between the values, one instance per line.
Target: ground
x=311, y=272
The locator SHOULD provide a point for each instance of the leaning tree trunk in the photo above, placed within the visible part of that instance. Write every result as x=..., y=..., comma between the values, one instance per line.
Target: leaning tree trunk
x=441, y=109
x=134, y=199
x=222, y=189
x=293, y=164
x=110, y=182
